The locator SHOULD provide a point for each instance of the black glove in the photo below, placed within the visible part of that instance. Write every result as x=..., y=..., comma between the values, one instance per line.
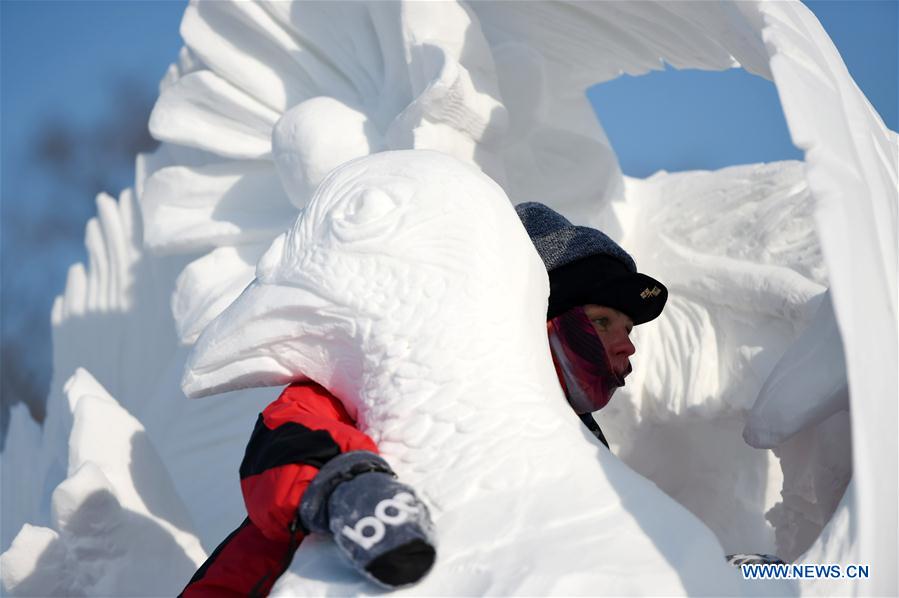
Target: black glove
x=378, y=523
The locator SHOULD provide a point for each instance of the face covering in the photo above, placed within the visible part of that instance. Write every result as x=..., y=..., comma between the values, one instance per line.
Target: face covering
x=589, y=378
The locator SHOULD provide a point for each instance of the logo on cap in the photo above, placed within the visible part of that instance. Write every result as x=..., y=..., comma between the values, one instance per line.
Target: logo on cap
x=647, y=292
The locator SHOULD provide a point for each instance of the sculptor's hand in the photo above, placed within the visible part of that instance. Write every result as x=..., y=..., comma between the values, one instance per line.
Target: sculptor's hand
x=379, y=524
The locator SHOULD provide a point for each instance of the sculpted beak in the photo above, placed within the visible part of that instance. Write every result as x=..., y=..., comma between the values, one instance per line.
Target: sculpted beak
x=259, y=340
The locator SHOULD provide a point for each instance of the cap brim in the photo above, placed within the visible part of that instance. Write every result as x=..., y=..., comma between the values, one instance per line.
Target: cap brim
x=639, y=296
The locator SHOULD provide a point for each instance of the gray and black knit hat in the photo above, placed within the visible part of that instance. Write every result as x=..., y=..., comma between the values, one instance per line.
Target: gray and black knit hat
x=586, y=266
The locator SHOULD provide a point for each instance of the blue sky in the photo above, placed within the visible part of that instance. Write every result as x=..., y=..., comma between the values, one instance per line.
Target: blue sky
x=58, y=55
x=683, y=120
x=59, y=60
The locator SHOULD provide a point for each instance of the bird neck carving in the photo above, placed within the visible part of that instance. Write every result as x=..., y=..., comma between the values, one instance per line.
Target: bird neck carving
x=435, y=413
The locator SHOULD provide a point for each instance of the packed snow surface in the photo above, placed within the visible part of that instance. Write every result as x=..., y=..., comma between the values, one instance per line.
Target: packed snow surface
x=403, y=283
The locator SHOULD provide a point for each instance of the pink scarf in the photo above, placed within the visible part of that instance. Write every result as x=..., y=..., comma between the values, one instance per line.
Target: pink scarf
x=586, y=373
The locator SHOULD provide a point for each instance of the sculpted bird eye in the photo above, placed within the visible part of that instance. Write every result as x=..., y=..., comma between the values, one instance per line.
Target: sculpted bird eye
x=368, y=205
x=364, y=214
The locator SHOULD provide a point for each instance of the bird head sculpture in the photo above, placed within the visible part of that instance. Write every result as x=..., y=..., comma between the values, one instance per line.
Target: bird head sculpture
x=377, y=285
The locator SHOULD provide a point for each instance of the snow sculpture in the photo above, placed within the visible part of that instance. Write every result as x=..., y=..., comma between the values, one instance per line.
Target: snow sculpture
x=430, y=325
x=116, y=511
x=501, y=85
x=851, y=165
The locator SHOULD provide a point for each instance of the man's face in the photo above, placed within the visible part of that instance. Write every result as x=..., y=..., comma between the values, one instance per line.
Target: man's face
x=614, y=329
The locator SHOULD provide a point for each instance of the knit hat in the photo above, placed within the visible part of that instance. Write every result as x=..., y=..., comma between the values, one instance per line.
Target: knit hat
x=586, y=266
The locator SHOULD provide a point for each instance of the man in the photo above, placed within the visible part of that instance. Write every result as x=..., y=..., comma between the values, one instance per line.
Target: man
x=596, y=297
x=308, y=469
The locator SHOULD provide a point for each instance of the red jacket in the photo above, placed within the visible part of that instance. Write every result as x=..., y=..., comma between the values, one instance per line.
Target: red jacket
x=294, y=436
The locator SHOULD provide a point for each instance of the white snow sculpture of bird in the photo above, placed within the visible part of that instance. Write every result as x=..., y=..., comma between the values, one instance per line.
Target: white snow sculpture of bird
x=409, y=288
x=439, y=72
x=432, y=76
